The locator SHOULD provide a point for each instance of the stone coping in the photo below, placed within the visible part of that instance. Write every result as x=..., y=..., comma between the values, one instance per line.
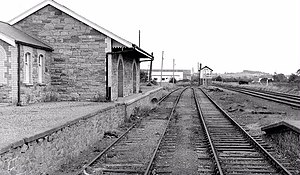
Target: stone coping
x=53, y=130
x=293, y=125
x=48, y=132
x=130, y=101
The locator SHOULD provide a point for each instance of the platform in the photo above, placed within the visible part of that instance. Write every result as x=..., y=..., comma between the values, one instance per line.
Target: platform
x=26, y=123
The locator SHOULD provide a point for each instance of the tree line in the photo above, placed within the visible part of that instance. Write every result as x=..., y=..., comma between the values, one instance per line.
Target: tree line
x=293, y=78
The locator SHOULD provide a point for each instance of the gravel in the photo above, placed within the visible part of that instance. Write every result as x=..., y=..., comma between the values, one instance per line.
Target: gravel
x=26, y=121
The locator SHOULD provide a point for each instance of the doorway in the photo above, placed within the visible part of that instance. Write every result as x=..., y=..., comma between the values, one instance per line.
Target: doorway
x=134, y=78
x=120, y=78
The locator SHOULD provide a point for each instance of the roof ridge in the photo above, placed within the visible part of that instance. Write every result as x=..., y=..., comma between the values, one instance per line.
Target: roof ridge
x=72, y=14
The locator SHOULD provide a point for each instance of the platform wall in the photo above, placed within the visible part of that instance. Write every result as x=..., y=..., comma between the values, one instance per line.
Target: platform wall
x=46, y=152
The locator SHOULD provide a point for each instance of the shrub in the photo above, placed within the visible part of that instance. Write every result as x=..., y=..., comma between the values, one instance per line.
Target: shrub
x=171, y=80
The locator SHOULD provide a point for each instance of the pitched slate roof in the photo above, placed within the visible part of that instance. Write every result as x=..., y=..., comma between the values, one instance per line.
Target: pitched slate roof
x=82, y=19
x=207, y=68
x=13, y=36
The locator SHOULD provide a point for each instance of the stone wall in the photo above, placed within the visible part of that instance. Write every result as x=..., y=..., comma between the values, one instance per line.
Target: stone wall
x=46, y=152
x=78, y=61
x=35, y=91
x=127, y=78
x=30, y=93
x=5, y=74
x=143, y=101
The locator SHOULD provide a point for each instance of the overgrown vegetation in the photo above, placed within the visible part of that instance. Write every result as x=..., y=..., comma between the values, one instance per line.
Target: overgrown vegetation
x=143, y=76
x=172, y=79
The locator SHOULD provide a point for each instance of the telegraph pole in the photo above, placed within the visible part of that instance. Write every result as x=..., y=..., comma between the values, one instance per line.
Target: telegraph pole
x=150, y=71
x=162, y=62
x=199, y=70
x=173, y=70
x=139, y=38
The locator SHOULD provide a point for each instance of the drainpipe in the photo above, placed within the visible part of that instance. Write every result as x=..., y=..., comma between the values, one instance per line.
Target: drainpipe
x=19, y=77
x=108, y=89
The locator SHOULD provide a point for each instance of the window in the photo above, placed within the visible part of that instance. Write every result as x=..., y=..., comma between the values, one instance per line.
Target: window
x=27, y=68
x=40, y=68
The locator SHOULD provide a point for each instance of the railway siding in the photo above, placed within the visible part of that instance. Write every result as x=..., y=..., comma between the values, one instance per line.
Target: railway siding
x=238, y=151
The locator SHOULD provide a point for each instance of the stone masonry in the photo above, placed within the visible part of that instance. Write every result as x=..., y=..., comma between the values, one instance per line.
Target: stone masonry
x=78, y=61
x=128, y=79
x=46, y=152
x=30, y=93
x=8, y=86
x=35, y=92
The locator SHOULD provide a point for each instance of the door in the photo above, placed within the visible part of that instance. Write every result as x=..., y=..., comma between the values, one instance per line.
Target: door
x=134, y=78
x=120, y=79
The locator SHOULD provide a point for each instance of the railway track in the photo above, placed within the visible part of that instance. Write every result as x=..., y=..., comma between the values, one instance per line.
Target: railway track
x=184, y=149
x=236, y=151
x=128, y=153
x=288, y=99
x=187, y=134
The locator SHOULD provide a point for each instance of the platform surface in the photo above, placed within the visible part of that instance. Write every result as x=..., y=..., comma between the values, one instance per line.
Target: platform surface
x=22, y=122
x=291, y=124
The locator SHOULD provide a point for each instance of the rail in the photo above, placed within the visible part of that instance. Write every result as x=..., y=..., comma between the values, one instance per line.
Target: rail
x=215, y=155
x=268, y=156
x=117, y=140
x=150, y=164
x=290, y=100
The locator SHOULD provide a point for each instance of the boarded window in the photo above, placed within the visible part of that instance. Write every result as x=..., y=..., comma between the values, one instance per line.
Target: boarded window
x=41, y=68
x=27, y=68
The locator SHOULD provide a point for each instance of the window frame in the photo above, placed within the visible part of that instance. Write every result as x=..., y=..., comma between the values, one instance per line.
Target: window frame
x=41, y=69
x=28, y=67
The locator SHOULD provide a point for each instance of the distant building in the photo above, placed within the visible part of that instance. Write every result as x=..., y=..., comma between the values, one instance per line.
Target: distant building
x=206, y=75
x=167, y=74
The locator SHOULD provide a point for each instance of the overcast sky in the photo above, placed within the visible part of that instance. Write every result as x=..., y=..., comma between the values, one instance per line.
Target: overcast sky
x=226, y=35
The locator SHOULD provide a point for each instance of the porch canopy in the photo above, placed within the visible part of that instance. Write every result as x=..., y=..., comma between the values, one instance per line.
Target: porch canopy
x=134, y=52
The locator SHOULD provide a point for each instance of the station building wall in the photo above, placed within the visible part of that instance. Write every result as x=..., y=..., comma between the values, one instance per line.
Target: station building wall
x=77, y=65
x=36, y=90
x=127, y=76
x=7, y=85
x=30, y=92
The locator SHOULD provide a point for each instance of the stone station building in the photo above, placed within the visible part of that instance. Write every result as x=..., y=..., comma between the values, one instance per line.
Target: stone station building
x=65, y=57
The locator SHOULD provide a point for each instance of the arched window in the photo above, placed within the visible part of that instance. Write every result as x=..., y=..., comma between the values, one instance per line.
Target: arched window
x=27, y=68
x=40, y=68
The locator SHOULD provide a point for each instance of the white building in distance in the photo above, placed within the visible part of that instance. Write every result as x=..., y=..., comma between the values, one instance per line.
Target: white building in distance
x=167, y=74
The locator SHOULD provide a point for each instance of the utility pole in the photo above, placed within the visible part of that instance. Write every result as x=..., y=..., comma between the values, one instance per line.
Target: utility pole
x=139, y=38
x=162, y=62
x=199, y=70
x=150, y=71
x=173, y=70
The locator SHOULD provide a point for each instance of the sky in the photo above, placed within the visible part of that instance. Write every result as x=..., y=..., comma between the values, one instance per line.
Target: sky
x=226, y=35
